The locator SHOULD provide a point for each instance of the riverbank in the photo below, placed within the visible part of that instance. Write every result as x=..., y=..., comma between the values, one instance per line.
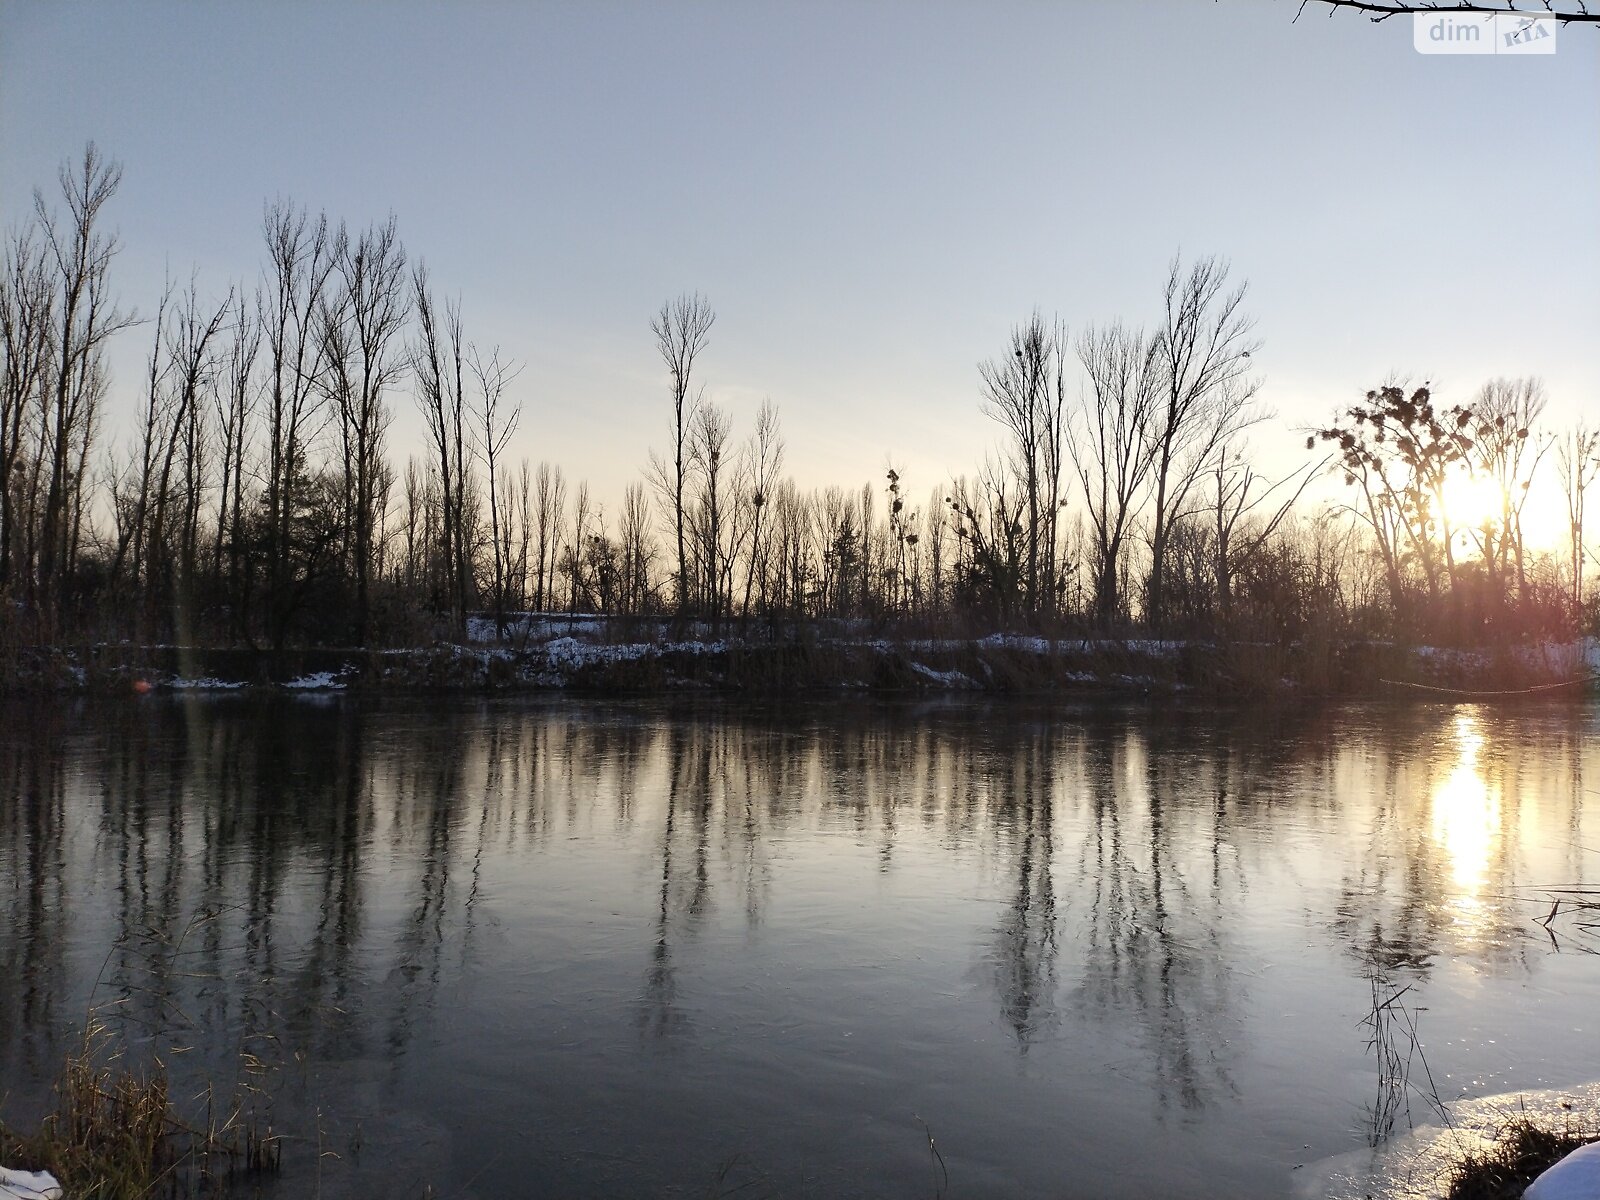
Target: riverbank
x=588, y=655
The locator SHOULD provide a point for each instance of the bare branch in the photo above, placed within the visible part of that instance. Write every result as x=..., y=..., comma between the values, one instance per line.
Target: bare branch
x=1379, y=10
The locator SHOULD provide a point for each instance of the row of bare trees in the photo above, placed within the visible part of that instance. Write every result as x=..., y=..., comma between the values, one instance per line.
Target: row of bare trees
x=257, y=498
x=1130, y=444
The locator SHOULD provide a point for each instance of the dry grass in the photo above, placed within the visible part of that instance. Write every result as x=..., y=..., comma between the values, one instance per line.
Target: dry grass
x=115, y=1133
x=1520, y=1153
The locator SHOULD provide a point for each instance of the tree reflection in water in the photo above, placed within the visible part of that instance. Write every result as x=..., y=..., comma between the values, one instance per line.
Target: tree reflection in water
x=333, y=880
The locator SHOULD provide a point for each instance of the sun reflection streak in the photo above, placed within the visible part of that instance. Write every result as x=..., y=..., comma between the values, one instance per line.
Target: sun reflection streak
x=1466, y=818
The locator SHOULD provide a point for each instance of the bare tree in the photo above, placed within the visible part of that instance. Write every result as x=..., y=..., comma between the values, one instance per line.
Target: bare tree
x=300, y=260
x=524, y=529
x=418, y=483
x=795, y=568
x=190, y=337
x=1204, y=346
x=437, y=363
x=637, y=550
x=27, y=318
x=497, y=422
x=681, y=328
x=988, y=519
x=763, y=461
x=1579, y=464
x=1507, y=451
x=577, y=587
x=235, y=407
x=1239, y=493
x=937, y=528
x=868, y=566
x=85, y=318
x=1111, y=448
x=551, y=497
x=362, y=319
x=1026, y=393
x=133, y=502
x=714, y=523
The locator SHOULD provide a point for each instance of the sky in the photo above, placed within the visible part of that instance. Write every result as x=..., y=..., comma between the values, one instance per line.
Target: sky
x=870, y=194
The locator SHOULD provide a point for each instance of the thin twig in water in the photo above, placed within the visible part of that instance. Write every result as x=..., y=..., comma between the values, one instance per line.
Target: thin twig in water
x=938, y=1192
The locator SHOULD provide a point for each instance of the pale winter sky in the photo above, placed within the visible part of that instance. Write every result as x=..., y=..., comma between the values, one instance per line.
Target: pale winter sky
x=870, y=194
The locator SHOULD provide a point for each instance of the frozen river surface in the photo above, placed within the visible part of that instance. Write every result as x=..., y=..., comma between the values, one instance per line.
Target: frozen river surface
x=506, y=948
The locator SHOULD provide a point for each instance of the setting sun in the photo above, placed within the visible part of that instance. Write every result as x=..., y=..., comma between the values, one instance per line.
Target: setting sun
x=1472, y=501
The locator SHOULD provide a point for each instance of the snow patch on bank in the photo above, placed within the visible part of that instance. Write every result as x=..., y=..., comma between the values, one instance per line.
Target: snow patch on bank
x=28, y=1185
x=317, y=681
x=1575, y=1177
x=570, y=654
x=949, y=679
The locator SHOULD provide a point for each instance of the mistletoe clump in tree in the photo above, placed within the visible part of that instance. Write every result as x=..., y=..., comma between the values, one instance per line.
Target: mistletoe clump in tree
x=1398, y=451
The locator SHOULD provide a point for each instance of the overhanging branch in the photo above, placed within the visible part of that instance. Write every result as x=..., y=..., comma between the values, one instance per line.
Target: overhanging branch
x=1575, y=12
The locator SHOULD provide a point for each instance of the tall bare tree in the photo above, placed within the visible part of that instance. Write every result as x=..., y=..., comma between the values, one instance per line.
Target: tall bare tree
x=682, y=329
x=637, y=549
x=763, y=462
x=1026, y=393
x=1111, y=448
x=551, y=501
x=1204, y=346
x=715, y=519
x=191, y=334
x=86, y=316
x=300, y=261
x=1507, y=450
x=573, y=555
x=438, y=367
x=362, y=318
x=497, y=419
x=132, y=501
x=27, y=320
x=1579, y=463
x=235, y=407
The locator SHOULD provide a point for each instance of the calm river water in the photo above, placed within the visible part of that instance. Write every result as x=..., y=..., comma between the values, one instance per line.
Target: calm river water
x=528, y=947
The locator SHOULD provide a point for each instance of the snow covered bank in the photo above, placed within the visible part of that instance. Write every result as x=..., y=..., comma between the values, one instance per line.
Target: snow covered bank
x=1575, y=1177
x=590, y=653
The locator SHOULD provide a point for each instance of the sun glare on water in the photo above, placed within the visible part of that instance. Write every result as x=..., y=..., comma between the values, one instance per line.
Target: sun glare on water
x=1466, y=815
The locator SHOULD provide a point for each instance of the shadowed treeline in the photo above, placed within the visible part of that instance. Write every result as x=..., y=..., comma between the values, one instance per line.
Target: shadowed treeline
x=243, y=488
